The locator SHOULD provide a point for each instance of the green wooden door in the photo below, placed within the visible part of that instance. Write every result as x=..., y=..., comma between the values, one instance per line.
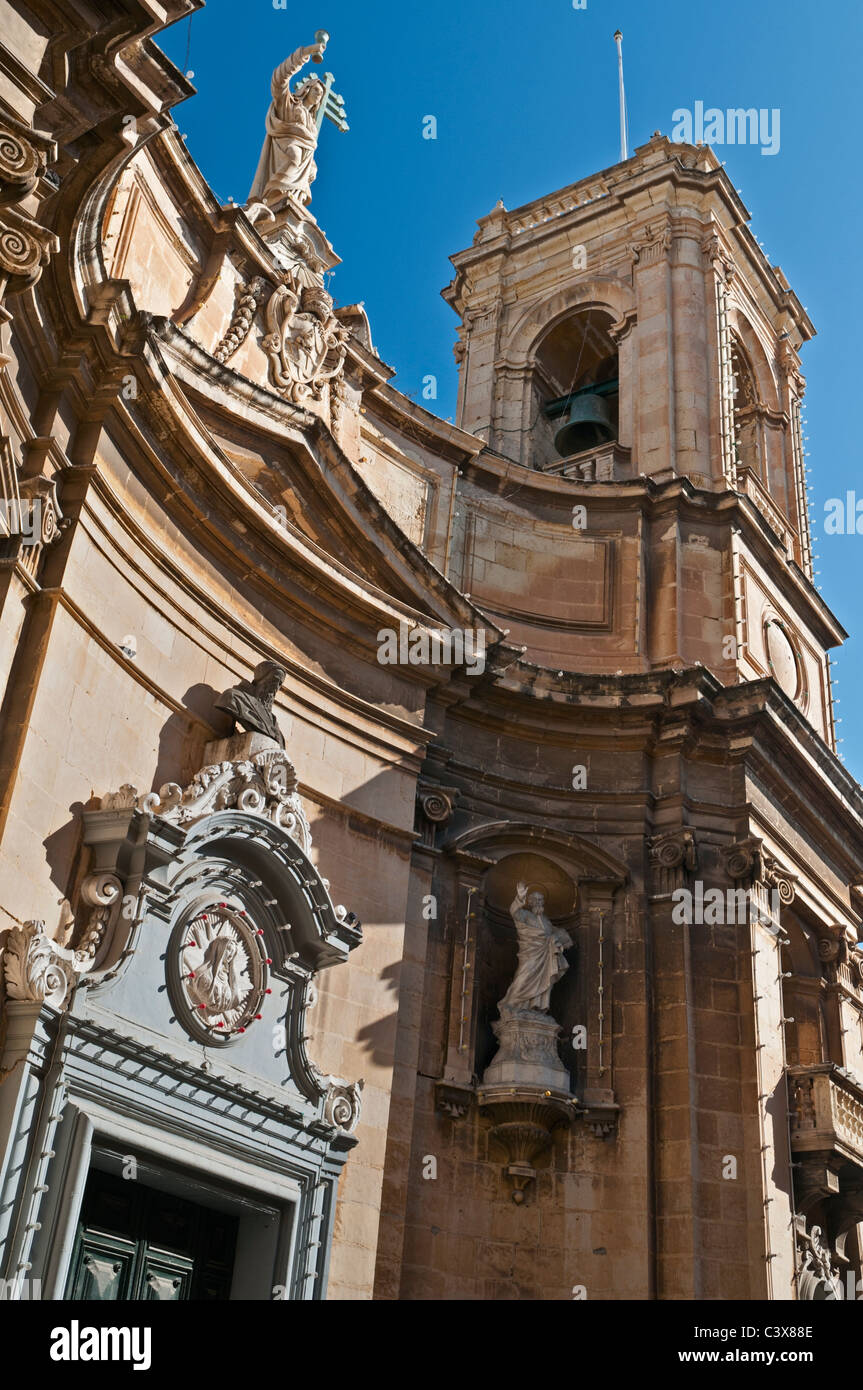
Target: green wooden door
x=135, y=1242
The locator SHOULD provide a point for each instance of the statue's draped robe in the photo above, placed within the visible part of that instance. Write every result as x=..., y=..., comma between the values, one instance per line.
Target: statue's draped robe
x=541, y=961
x=287, y=162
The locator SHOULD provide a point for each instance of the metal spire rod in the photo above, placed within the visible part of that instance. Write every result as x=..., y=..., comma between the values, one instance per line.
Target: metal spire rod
x=618, y=39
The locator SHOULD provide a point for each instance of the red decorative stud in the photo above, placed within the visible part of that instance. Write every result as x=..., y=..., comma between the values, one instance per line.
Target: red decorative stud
x=269, y=960
x=268, y=991
x=259, y=1015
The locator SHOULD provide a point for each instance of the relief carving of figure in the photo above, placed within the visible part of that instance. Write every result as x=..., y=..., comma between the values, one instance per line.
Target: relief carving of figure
x=218, y=981
x=287, y=163
x=541, y=947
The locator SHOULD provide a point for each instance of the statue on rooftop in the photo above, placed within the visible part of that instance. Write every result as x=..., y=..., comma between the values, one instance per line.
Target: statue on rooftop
x=287, y=164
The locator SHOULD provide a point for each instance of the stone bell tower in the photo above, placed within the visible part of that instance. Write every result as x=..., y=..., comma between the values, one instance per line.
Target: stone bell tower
x=628, y=332
x=647, y=771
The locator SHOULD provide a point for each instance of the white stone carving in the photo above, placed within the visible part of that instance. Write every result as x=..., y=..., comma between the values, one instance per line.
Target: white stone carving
x=306, y=343
x=287, y=164
x=264, y=784
x=343, y=1103
x=818, y=1280
x=541, y=960
x=221, y=970
x=36, y=969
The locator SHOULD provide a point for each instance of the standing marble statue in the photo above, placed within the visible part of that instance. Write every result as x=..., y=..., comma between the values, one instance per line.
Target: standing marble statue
x=541, y=960
x=287, y=164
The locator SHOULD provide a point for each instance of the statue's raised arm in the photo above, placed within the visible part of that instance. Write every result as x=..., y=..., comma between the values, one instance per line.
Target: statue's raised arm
x=285, y=71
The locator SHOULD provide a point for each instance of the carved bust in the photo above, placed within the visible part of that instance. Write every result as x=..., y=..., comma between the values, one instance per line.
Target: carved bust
x=250, y=703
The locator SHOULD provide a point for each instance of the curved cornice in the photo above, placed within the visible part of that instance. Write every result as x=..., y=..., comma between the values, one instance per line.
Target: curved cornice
x=496, y=839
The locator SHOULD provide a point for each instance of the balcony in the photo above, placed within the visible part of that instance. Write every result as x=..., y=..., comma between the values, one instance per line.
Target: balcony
x=826, y=1114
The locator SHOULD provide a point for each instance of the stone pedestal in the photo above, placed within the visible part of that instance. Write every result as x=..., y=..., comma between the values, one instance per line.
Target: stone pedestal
x=528, y=1054
x=238, y=748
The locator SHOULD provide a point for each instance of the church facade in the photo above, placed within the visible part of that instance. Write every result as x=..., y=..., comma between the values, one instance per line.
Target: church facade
x=425, y=867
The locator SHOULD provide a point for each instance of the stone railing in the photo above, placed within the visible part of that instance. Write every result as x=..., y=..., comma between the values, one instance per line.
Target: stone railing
x=557, y=206
x=826, y=1111
x=606, y=463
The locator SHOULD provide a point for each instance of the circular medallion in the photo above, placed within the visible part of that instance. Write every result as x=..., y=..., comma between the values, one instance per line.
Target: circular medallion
x=782, y=658
x=217, y=974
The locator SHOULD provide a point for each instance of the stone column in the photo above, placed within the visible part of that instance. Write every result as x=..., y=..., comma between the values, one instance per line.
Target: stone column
x=672, y=1136
x=769, y=888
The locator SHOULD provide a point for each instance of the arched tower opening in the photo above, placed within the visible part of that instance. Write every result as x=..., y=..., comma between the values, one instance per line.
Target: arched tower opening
x=575, y=387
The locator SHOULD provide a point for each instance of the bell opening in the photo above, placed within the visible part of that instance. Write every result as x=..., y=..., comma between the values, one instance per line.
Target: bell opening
x=575, y=387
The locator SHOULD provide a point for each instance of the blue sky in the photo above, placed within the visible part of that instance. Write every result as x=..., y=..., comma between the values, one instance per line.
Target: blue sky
x=525, y=97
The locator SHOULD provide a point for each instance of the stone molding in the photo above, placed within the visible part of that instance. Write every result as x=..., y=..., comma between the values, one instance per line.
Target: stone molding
x=748, y=862
x=25, y=246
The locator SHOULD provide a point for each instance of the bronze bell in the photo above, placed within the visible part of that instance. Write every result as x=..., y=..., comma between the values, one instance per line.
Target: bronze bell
x=586, y=424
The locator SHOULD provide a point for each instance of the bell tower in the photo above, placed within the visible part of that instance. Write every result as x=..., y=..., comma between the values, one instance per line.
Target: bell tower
x=626, y=341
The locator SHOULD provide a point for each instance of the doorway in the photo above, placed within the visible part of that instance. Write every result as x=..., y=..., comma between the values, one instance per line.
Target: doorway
x=136, y=1242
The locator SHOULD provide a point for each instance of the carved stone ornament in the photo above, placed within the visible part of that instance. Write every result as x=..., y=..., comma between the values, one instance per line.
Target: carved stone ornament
x=25, y=248
x=523, y=1122
x=36, y=969
x=306, y=343
x=338, y=397
x=343, y=1103
x=217, y=974
x=747, y=861
x=818, y=1280
x=21, y=165
x=435, y=806
x=264, y=784
x=673, y=855
x=249, y=297
x=652, y=247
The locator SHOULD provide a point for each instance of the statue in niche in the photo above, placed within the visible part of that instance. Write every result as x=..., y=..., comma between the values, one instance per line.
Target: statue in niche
x=287, y=164
x=250, y=703
x=541, y=947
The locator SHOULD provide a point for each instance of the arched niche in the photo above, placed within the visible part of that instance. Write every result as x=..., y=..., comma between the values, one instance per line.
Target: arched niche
x=542, y=354
x=487, y=861
x=497, y=942
x=760, y=420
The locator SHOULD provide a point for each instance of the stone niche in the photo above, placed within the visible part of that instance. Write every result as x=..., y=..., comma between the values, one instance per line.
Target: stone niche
x=527, y=979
